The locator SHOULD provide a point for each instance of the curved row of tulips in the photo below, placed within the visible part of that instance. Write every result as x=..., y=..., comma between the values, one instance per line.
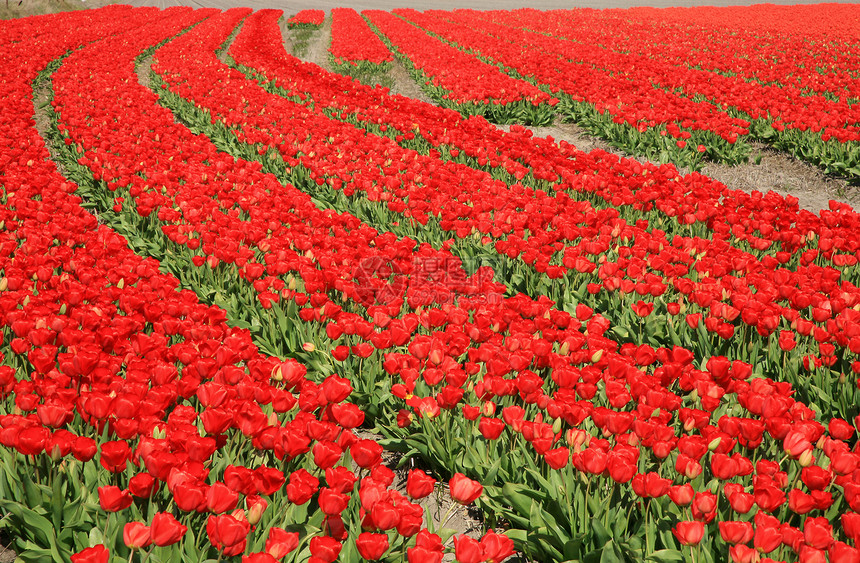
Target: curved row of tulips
x=574, y=261
x=460, y=81
x=138, y=423
x=624, y=108
x=307, y=19
x=814, y=124
x=680, y=529
x=687, y=532
x=811, y=125
x=354, y=48
x=767, y=45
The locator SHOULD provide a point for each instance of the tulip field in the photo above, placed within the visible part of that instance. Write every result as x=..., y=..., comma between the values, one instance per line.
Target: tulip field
x=251, y=310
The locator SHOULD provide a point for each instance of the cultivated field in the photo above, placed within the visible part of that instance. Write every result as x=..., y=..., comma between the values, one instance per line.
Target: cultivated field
x=386, y=284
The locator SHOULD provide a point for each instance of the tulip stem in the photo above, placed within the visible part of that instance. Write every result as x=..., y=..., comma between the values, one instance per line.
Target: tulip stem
x=608, y=504
x=107, y=522
x=585, y=506
x=647, y=535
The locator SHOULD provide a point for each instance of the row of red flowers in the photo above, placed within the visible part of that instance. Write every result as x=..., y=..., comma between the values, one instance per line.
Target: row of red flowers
x=440, y=357
x=463, y=78
x=117, y=370
x=307, y=18
x=509, y=338
x=353, y=42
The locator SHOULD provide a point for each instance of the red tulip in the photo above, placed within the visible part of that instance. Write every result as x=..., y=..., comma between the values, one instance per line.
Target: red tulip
x=736, y=532
x=325, y=548
x=280, y=542
x=419, y=484
x=142, y=485
x=326, y=454
x=689, y=533
x=818, y=533
x=464, y=490
x=767, y=536
x=115, y=455
x=496, y=547
x=841, y=552
x=332, y=502
x=371, y=546
x=95, y=554
x=166, y=530
x=136, y=535
x=366, y=453
x=682, y=495
x=220, y=498
x=491, y=428
x=112, y=499
x=800, y=502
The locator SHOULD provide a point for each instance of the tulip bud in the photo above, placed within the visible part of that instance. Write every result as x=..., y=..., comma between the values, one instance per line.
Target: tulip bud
x=277, y=374
x=121, y=283
x=63, y=309
x=308, y=347
x=806, y=458
x=56, y=455
x=556, y=426
x=4, y=283
x=714, y=444
x=255, y=511
x=596, y=356
x=563, y=349
x=489, y=408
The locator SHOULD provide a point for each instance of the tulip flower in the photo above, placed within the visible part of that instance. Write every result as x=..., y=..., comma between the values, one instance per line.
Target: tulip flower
x=166, y=530
x=371, y=546
x=96, y=554
x=689, y=533
x=136, y=535
x=464, y=490
x=419, y=484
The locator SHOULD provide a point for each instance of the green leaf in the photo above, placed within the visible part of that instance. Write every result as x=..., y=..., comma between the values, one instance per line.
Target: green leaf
x=573, y=549
x=601, y=534
x=38, y=525
x=611, y=553
x=517, y=498
x=666, y=556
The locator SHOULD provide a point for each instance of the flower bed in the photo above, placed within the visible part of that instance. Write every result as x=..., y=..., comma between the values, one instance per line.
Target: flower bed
x=307, y=19
x=611, y=360
x=354, y=47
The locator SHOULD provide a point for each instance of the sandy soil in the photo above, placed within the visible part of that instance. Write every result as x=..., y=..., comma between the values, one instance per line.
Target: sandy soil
x=24, y=8
x=768, y=169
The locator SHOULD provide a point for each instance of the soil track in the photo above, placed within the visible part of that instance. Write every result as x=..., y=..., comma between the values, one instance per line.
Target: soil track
x=768, y=170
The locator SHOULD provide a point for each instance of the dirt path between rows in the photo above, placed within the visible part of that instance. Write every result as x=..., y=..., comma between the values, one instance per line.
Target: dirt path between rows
x=768, y=169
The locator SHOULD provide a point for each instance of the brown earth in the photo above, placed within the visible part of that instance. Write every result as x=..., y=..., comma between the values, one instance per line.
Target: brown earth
x=23, y=8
